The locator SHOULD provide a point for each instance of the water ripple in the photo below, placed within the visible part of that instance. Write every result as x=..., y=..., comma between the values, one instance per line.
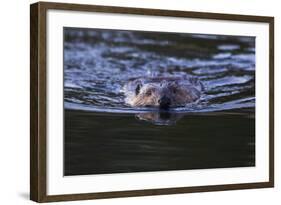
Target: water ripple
x=97, y=63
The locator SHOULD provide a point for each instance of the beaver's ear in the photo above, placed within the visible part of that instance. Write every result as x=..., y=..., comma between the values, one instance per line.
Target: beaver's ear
x=137, y=91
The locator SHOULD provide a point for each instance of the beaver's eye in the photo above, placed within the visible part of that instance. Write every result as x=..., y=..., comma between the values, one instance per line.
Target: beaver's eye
x=148, y=93
x=174, y=91
x=138, y=89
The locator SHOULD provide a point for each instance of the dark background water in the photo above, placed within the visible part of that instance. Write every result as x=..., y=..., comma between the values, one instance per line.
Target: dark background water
x=104, y=135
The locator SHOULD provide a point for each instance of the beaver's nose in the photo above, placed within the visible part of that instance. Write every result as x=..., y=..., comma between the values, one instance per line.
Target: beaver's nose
x=164, y=102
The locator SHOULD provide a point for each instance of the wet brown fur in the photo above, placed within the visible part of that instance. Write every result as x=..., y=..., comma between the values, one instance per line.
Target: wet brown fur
x=142, y=92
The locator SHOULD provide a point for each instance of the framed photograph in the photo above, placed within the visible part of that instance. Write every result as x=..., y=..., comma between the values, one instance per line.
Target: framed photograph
x=134, y=102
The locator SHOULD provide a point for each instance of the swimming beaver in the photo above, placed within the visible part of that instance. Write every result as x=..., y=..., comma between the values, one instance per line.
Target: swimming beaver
x=162, y=92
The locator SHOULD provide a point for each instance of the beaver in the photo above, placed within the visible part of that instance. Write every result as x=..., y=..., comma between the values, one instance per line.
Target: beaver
x=163, y=92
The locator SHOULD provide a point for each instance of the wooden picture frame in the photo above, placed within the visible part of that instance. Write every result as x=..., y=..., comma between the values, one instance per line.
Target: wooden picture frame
x=38, y=101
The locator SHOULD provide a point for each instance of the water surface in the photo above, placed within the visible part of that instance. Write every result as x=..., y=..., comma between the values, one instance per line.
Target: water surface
x=104, y=135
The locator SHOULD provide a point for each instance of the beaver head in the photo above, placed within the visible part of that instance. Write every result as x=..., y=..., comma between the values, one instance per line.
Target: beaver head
x=162, y=92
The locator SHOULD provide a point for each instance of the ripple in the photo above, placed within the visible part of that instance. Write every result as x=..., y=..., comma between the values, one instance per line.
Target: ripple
x=228, y=47
x=97, y=63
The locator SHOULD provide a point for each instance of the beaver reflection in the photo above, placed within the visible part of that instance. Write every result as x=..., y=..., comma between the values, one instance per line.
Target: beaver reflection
x=161, y=117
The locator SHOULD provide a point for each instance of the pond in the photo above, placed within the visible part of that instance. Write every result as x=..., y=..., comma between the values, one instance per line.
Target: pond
x=105, y=135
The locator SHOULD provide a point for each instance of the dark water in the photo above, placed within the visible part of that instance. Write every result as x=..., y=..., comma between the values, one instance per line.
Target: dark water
x=104, y=135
